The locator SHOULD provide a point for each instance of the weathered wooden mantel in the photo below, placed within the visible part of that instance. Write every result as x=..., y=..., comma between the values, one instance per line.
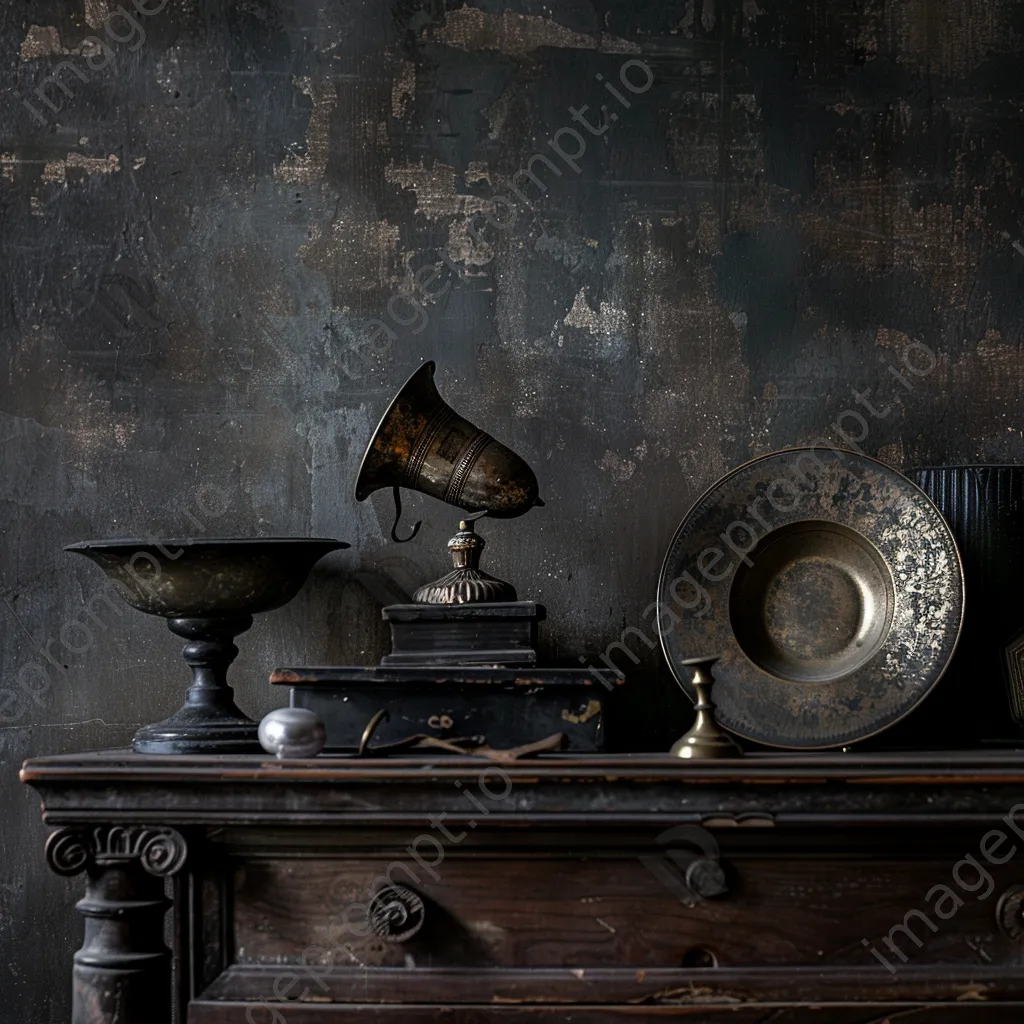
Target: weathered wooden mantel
x=834, y=888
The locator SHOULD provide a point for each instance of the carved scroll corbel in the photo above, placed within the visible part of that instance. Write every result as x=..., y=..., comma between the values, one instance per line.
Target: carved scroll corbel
x=161, y=851
x=122, y=973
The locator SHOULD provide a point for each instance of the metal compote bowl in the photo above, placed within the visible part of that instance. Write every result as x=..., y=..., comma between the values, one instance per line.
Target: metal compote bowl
x=208, y=590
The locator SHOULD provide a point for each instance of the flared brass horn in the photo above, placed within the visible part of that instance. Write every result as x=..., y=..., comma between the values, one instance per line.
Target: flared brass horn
x=423, y=444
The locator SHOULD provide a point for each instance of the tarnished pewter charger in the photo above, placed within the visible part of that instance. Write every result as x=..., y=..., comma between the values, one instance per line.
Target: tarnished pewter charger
x=835, y=610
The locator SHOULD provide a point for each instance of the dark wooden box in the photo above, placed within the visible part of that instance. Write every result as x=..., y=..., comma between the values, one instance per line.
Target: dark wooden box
x=507, y=707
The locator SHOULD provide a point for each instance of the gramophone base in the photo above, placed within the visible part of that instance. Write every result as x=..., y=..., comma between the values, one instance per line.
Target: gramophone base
x=198, y=730
x=500, y=633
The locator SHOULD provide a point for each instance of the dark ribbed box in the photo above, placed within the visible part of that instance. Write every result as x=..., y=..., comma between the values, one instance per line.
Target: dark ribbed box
x=503, y=707
x=981, y=697
x=501, y=633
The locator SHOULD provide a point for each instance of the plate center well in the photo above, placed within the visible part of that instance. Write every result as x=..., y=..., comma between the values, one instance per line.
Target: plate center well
x=814, y=605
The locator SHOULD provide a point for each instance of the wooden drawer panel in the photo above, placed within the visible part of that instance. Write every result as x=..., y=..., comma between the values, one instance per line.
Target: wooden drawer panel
x=477, y=994
x=601, y=911
x=241, y=1012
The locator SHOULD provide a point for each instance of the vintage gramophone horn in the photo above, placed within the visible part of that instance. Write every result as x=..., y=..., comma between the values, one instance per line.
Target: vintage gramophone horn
x=423, y=444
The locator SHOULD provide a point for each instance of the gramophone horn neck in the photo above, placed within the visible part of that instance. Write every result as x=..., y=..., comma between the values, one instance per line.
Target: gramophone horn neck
x=398, y=518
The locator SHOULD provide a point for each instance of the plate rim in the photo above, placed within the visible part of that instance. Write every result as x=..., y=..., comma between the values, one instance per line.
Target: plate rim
x=659, y=604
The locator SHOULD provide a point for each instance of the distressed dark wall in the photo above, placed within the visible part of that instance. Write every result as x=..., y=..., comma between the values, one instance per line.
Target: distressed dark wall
x=808, y=194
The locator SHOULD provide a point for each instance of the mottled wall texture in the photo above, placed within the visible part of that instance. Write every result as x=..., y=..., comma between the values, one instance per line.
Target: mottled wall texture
x=644, y=242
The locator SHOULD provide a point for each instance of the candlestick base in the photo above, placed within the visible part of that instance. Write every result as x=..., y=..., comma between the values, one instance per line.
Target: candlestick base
x=707, y=739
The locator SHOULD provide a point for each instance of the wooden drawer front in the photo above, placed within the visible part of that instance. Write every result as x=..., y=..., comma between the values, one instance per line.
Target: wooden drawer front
x=611, y=911
x=242, y=1013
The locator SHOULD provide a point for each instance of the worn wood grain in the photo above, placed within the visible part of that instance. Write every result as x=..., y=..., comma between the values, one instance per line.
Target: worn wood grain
x=570, y=908
x=800, y=907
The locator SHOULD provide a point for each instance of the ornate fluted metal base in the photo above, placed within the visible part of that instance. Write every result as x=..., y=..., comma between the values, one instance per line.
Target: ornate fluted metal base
x=467, y=583
x=466, y=586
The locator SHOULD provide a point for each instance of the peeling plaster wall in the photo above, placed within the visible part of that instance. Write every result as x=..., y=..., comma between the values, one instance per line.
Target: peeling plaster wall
x=197, y=232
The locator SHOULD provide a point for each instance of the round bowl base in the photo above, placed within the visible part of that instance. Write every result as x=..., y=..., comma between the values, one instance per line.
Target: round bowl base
x=185, y=732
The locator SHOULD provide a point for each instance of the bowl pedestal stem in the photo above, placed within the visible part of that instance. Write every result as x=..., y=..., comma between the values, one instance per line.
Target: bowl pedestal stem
x=209, y=722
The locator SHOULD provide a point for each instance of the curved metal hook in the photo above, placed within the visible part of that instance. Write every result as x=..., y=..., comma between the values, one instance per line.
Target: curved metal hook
x=371, y=728
x=398, y=518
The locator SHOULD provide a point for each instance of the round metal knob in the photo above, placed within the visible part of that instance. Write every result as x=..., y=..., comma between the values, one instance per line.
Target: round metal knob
x=1010, y=913
x=292, y=732
x=706, y=878
x=396, y=913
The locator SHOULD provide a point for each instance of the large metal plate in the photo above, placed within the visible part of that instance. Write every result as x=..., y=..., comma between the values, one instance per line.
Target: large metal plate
x=829, y=585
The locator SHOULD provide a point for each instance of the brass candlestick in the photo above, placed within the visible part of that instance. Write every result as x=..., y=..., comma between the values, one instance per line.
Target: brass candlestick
x=706, y=739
